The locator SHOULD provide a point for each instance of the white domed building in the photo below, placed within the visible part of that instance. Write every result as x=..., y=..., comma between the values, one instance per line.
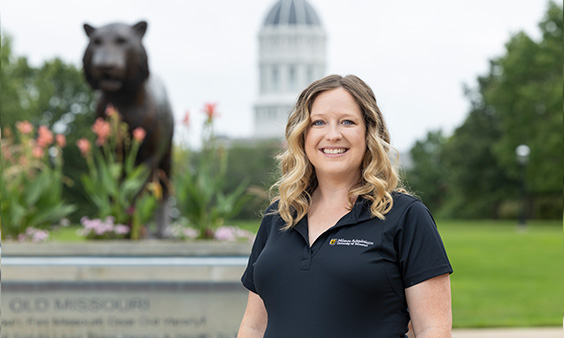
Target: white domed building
x=292, y=54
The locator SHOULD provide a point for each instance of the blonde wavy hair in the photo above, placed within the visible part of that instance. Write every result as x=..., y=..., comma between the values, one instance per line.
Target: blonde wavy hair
x=298, y=181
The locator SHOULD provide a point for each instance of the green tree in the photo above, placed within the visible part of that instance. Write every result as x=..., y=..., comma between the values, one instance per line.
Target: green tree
x=14, y=75
x=427, y=177
x=477, y=184
x=55, y=95
x=519, y=101
x=255, y=163
x=526, y=91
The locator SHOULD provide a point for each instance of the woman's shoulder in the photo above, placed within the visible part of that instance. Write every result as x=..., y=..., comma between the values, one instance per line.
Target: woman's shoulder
x=271, y=216
x=404, y=199
x=272, y=208
x=404, y=202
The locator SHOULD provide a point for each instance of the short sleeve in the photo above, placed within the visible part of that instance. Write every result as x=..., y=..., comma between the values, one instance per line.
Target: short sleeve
x=422, y=254
x=248, y=276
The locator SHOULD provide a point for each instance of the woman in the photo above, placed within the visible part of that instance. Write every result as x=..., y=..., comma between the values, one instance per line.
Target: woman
x=343, y=251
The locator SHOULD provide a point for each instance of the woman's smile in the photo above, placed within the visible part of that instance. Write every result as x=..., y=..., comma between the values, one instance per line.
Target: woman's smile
x=334, y=151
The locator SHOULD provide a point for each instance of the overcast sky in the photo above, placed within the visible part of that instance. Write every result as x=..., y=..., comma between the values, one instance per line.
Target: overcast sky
x=416, y=55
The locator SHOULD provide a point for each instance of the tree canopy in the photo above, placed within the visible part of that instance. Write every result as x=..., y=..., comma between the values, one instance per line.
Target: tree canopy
x=519, y=101
x=53, y=94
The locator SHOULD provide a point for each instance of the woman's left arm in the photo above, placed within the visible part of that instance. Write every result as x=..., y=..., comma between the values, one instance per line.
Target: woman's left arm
x=430, y=308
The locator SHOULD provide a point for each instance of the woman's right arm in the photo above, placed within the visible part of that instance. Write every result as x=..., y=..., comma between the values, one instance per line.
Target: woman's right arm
x=255, y=318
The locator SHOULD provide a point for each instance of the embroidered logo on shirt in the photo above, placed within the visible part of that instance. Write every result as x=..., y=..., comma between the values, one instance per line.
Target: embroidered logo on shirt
x=350, y=242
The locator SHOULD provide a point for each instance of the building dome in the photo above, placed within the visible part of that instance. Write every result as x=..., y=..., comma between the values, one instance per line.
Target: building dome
x=292, y=55
x=292, y=12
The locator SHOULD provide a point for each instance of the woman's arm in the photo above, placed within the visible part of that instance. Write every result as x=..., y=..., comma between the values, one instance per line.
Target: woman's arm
x=430, y=309
x=255, y=318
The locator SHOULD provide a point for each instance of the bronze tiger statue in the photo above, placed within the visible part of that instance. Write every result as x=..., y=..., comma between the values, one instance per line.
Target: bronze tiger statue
x=116, y=65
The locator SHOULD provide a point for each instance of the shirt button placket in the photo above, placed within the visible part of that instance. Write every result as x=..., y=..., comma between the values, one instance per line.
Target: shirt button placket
x=306, y=258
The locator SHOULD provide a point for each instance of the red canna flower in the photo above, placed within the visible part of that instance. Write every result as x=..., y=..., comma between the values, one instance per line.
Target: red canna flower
x=84, y=146
x=186, y=119
x=61, y=140
x=24, y=127
x=45, y=137
x=103, y=129
x=38, y=152
x=110, y=109
x=139, y=134
x=210, y=111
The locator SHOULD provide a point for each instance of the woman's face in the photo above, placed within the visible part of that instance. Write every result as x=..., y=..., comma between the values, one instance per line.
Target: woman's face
x=335, y=141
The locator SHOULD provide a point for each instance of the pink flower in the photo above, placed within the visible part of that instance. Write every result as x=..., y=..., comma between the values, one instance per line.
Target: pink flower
x=103, y=129
x=121, y=229
x=186, y=119
x=231, y=233
x=37, y=152
x=7, y=152
x=110, y=110
x=210, y=111
x=139, y=134
x=33, y=234
x=225, y=234
x=84, y=146
x=24, y=127
x=105, y=227
x=61, y=140
x=191, y=233
x=45, y=137
x=39, y=235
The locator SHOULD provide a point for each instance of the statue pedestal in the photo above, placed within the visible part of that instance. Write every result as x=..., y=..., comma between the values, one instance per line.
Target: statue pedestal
x=155, y=289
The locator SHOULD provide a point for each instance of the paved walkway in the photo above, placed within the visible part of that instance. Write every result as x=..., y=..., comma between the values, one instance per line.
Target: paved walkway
x=556, y=332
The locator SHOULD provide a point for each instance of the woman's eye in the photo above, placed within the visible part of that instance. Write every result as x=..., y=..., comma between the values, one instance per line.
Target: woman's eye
x=317, y=123
x=348, y=122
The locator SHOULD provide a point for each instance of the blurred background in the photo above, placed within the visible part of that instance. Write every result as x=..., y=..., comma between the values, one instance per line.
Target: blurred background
x=471, y=92
x=461, y=84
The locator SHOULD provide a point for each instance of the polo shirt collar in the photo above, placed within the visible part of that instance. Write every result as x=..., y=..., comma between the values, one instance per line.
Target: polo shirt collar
x=359, y=213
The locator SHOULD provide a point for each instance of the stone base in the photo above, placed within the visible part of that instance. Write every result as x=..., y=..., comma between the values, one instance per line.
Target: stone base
x=123, y=289
x=88, y=310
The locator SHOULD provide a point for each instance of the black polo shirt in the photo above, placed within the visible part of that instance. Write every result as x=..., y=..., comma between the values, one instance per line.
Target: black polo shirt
x=351, y=281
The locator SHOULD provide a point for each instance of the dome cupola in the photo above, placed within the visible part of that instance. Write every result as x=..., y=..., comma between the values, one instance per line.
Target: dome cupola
x=292, y=54
x=292, y=12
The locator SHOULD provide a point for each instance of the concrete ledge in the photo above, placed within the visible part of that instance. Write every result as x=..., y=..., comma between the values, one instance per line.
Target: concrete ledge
x=123, y=269
x=102, y=274
x=154, y=248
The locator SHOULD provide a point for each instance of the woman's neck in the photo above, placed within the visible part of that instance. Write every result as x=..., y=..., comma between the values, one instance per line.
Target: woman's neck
x=334, y=190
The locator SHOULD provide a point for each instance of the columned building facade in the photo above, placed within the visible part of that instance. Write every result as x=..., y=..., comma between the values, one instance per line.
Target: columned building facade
x=292, y=54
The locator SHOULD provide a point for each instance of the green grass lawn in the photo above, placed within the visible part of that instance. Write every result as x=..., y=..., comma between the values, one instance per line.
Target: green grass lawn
x=502, y=277
x=66, y=234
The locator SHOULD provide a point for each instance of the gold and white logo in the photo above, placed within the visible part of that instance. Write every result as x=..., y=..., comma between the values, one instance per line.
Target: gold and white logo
x=350, y=242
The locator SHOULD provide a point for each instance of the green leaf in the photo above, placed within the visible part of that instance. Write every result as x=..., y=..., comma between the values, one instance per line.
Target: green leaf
x=36, y=189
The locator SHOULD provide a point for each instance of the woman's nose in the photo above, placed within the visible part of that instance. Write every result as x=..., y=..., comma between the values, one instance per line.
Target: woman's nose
x=333, y=133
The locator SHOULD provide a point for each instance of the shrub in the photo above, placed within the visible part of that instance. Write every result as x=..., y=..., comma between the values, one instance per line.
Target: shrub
x=31, y=180
x=114, y=183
